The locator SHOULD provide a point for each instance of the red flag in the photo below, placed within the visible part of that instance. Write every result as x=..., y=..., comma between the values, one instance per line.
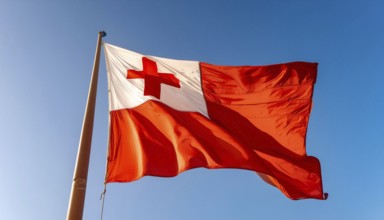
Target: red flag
x=168, y=116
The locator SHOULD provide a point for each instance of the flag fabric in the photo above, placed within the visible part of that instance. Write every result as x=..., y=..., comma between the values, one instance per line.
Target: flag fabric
x=168, y=116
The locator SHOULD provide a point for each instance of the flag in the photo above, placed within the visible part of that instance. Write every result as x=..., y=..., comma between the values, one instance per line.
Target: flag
x=168, y=116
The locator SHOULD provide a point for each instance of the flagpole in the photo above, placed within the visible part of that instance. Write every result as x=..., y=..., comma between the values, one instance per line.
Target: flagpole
x=79, y=184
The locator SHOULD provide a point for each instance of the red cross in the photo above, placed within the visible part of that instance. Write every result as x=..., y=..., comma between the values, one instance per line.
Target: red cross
x=152, y=78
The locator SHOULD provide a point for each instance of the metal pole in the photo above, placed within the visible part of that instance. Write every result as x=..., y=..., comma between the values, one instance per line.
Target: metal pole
x=79, y=184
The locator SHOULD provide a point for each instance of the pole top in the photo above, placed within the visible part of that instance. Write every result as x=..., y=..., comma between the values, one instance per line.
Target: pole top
x=103, y=33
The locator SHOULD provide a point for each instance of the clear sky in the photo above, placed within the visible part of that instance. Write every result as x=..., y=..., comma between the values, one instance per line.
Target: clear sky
x=46, y=56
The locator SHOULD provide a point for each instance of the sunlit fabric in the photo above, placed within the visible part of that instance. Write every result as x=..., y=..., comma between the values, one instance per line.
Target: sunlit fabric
x=168, y=116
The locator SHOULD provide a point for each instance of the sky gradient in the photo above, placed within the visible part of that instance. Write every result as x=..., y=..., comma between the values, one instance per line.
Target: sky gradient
x=46, y=56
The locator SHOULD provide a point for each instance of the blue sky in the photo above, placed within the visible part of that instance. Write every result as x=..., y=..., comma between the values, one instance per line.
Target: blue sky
x=46, y=57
